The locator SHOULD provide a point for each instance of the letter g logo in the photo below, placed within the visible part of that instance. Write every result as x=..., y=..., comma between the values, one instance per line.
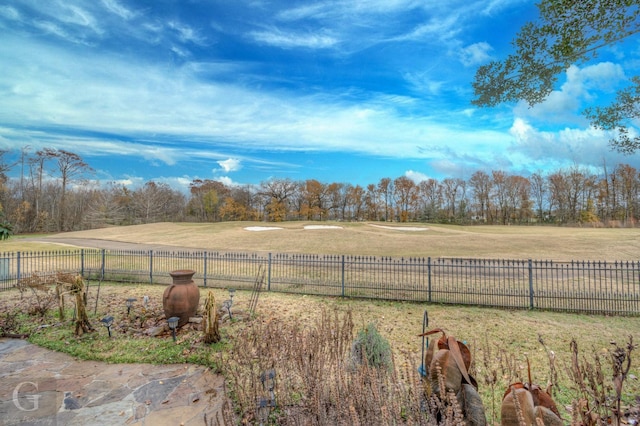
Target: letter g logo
x=33, y=399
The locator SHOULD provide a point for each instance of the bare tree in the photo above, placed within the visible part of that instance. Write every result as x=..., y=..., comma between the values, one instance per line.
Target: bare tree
x=385, y=188
x=70, y=166
x=355, y=200
x=372, y=203
x=157, y=202
x=481, y=184
x=452, y=192
x=430, y=196
x=539, y=189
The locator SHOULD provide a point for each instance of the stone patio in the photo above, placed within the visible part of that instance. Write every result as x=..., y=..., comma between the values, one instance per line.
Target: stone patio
x=42, y=387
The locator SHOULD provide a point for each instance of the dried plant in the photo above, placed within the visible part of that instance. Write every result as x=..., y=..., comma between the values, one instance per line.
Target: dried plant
x=621, y=364
x=591, y=389
x=552, y=386
x=83, y=325
x=598, y=400
x=490, y=373
x=40, y=287
x=211, y=321
x=9, y=324
x=316, y=382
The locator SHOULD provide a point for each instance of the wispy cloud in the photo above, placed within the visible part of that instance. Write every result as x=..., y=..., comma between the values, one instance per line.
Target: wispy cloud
x=186, y=33
x=117, y=8
x=9, y=12
x=289, y=39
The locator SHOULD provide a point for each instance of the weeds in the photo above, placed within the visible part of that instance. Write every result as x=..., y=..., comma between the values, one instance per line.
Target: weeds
x=316, y=382
x=10, y=324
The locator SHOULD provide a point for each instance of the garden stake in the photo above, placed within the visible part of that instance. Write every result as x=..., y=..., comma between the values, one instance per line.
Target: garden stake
x=425, y=341
x=95, y=309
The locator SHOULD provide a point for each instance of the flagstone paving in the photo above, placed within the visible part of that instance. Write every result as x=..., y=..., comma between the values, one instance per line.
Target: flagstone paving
x=42, y=387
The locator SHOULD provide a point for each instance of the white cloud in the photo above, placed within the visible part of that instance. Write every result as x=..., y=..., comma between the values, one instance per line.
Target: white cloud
x=569, y=146
x=475, y=54
x=416, y=177
x=226, y=180
x=564, y=105
x=131, y=182
x=230, y=165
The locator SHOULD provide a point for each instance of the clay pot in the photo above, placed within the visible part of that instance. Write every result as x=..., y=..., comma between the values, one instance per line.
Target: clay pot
x=181, y=298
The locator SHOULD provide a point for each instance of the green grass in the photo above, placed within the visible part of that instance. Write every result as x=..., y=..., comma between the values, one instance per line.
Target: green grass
x=98, y=346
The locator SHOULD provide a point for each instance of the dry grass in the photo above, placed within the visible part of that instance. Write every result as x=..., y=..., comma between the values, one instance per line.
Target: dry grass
x=503, y=242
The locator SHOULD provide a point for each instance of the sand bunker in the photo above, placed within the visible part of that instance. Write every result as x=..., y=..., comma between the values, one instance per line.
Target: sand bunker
x=262, y=228
x=401, y=228
x=322, y=227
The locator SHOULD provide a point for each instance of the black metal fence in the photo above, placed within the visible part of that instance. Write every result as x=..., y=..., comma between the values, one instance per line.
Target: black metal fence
x=575, y=286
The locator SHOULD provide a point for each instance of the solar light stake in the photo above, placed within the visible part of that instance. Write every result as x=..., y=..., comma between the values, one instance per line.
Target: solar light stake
x=173, y=324
x=227, y=305
x=130, y=304
x=265, y=405
x=107, y=322
x=263, y=409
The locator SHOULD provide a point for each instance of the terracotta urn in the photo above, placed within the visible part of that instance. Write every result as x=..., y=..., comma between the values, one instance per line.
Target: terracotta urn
x=181, y=298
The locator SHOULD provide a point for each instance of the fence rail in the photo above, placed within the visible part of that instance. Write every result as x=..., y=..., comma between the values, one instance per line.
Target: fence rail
x=576, y=286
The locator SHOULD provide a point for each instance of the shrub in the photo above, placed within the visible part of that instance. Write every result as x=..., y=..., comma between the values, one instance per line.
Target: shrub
x=370, y=346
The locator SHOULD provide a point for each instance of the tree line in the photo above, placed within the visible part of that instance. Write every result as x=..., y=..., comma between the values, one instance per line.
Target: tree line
x=55, y=192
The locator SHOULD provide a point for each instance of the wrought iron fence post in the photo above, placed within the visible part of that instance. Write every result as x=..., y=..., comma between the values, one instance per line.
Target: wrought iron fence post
x=82, y=263
x=18, y=266
x=530, y=284
x=204, y=279
x=269, y=273
x=103, y=264
x=342, y=275
x=429, y=279
x=150, y=266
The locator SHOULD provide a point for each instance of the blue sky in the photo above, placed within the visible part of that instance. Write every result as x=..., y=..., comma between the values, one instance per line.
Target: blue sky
x=245, y=91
